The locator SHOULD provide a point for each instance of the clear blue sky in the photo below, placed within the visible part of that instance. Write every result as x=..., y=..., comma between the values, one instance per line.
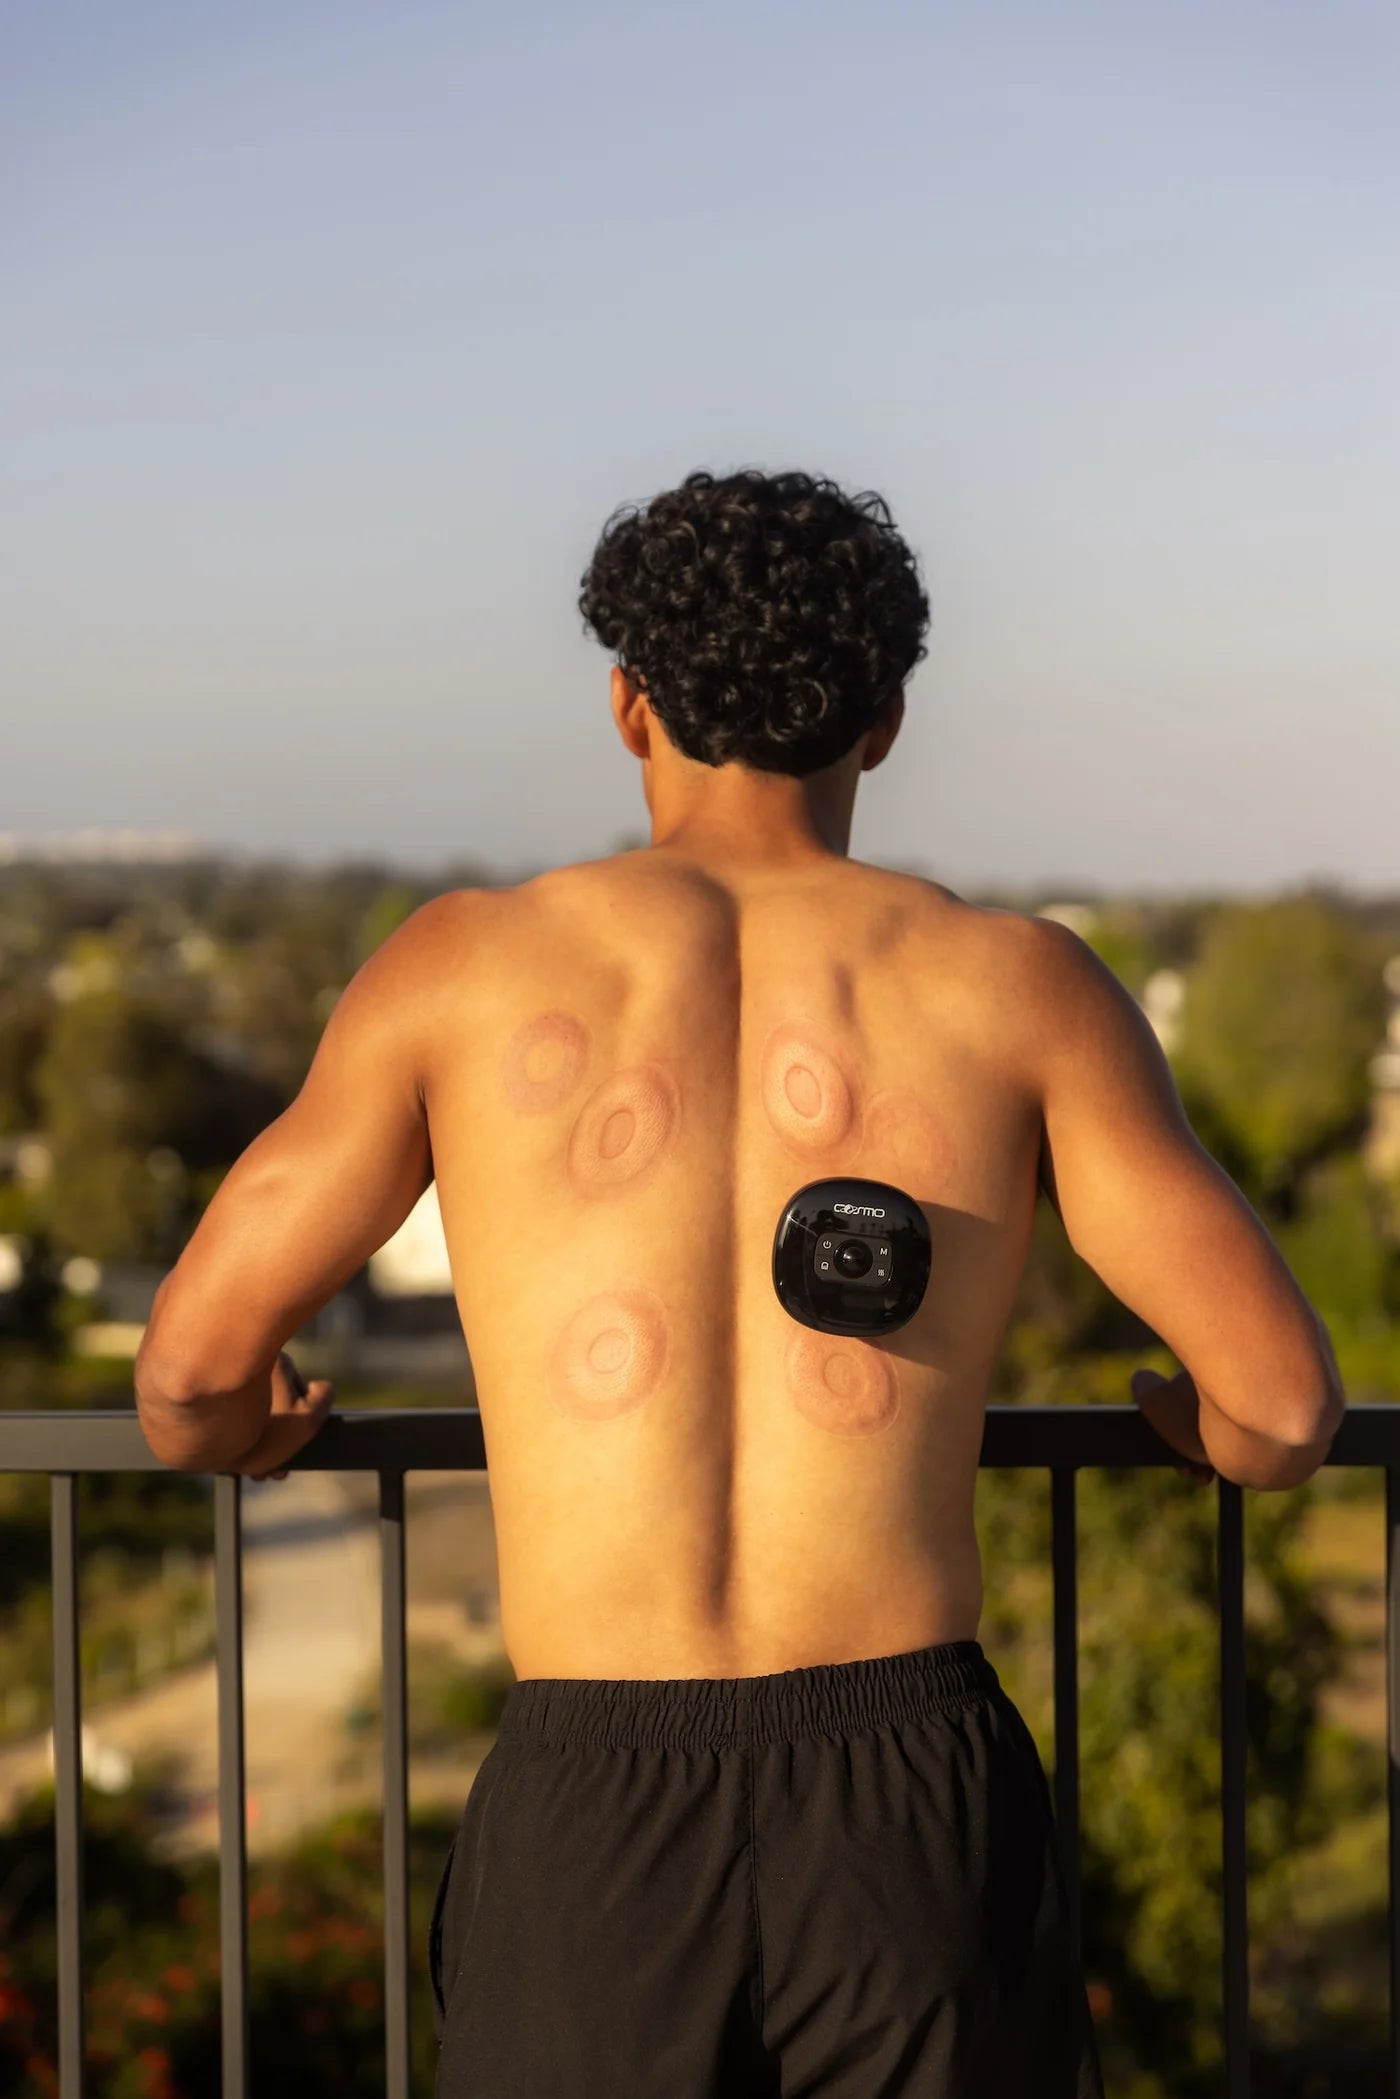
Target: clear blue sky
x=333, y=333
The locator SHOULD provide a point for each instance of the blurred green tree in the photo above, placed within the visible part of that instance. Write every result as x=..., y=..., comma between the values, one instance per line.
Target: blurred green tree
x=25, y=1008
x=1284, y=1009
x=1336, y=1242
x=128, y=1103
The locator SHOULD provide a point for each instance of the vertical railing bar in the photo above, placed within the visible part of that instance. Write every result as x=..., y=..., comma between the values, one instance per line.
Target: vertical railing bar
x=233, y=1833
x=394, y=1705
x=1392, y=1727
x=1064, y=1575
x=67, y=1780
x=1234, y=1859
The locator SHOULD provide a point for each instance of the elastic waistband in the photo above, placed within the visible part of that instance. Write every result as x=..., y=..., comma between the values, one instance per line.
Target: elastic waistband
x=722, y=1712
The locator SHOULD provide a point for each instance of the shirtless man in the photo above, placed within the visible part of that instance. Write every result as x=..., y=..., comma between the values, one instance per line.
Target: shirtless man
x=760, y=1816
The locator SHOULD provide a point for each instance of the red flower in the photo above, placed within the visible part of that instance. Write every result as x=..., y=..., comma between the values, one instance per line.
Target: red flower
x=156, y=2065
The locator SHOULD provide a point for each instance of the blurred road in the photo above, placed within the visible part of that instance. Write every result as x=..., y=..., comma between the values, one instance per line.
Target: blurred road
x=311, y=1645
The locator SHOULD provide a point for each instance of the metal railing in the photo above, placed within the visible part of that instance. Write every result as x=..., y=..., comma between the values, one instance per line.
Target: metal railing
x=1062, y=1439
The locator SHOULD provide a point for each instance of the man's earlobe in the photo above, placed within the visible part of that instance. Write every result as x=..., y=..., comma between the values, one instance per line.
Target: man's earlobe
x=630, y=712
x=883, y=731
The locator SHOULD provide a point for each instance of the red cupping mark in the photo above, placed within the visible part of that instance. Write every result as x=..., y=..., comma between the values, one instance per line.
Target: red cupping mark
x=904, y=1143
x=544, y=1061
x=623, y=1128
x=611, y=1355
x=845, y=1386
x=809, y=1099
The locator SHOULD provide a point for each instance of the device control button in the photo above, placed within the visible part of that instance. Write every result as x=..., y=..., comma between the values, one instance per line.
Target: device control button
x=882, y=1250
x=881, y=1274
x=823, y=1266
x=827, y=1245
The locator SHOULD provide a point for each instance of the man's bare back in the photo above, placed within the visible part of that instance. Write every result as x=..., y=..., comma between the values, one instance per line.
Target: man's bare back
x=645, y=1056
x=619, y=1072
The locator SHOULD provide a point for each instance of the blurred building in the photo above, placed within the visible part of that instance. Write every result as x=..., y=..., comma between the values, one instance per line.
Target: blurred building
x=1080, y=918
x=414, y=1262
x=396, y=1319
x=1163, y=996
x=102, y=847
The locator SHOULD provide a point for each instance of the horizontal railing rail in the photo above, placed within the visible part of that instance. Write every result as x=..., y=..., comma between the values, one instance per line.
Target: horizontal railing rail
x=450, y=1439
x=392, y=1442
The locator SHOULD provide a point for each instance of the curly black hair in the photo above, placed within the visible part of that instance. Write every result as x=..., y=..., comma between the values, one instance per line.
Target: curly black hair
x=768, y=617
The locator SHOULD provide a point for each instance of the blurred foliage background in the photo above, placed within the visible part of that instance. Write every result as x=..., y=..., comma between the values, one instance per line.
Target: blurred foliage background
x=152, y=1020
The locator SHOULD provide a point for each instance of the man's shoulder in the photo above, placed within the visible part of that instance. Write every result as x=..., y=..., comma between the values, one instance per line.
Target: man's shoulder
x=1010, y=975
x=624, y=888
x=440, y=921
x=998, y=943
x=476, y=911
x=471, y=933
x=1053, y=1000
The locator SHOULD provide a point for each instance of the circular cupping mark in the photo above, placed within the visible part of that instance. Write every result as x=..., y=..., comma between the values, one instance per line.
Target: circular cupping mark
x=806, y=1095
x=623, y=1128
x=845, y=1386
x=544, y=1061
x=611, y=1355
x=906, y=1144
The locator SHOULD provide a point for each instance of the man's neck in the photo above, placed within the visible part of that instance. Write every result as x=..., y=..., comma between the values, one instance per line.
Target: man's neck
x=758, y=817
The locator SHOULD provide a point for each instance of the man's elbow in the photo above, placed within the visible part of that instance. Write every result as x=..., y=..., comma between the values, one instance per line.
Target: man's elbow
x=1304, y=1449
x=1282, y=1465
x=168, y=1409
x=1302, y=1430
x=177, y=1455
x=1315, y=1420
x=171, y=1431
x=1293, y=1447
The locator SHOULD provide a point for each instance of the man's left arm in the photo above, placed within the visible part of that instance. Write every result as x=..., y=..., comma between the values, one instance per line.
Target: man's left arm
x=312, y=1197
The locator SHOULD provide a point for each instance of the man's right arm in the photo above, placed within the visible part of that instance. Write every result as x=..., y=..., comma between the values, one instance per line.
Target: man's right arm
x=1164, y=1226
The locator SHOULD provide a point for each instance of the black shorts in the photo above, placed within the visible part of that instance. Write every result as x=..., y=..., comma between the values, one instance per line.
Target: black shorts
x=838, y=1882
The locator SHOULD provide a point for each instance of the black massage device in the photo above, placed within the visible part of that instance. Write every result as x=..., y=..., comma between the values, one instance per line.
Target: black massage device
x=851, y=1257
